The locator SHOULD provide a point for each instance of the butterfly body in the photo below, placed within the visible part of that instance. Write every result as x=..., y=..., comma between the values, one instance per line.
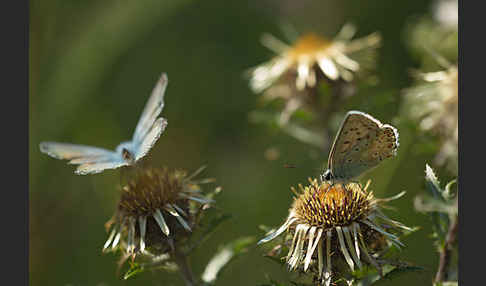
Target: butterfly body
x=128, y=156
x=92, y=160
x=361, y=143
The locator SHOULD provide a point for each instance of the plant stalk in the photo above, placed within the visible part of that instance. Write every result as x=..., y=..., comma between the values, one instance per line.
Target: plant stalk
x=184, y=268
x=445, y=254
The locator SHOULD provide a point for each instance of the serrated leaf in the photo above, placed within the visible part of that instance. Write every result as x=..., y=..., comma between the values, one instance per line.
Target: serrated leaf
x=432, y=183
x=224, y=256
x=440, y=212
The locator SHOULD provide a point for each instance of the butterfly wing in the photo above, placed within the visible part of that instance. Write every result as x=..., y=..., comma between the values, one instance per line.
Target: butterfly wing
x=150, y=138
x=91, y=159
x=361, y=144
x=100, y=166
x=152, y=110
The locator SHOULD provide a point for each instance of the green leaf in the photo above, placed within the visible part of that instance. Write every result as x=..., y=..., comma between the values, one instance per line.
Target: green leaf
x=135, y=269
x=224, y=256
x=448, y=192
x=428, y=204
x=432, y=183
x=439, y=218
x=160, y=262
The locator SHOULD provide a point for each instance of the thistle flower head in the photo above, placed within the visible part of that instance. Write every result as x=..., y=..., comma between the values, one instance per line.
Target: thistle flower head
x=333, y=223
x=327, y=206
x=433, y=101
x=156, y=210
x=312, y=56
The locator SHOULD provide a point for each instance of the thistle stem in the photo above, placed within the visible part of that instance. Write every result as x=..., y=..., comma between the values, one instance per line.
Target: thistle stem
x=185, y=270
x=445, y=254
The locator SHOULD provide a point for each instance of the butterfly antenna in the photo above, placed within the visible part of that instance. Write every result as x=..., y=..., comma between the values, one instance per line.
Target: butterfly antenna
x=321, y=172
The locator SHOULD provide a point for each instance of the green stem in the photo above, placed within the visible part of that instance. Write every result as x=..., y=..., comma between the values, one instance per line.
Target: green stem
x=184, y=268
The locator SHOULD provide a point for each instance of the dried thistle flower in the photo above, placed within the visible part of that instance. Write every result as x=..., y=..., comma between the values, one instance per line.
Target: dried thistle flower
x=157, y=209
x=434, y=102
x=339, y=221
x=311, y=56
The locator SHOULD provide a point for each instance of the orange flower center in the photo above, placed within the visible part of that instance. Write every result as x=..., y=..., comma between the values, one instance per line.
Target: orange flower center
x=308, y=44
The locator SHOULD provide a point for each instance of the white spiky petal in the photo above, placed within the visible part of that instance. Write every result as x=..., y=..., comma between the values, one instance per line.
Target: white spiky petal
x=161, y=222
x=174, y=213
x=142, y=221
x=343, y=248
x=327, y=271
x=110, y=239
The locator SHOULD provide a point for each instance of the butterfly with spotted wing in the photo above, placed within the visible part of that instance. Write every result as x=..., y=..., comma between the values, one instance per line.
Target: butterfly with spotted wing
x=361, y=143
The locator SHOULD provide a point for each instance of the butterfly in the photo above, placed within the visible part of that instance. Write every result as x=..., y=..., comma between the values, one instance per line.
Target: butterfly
x=92, y=160
x=361, y=143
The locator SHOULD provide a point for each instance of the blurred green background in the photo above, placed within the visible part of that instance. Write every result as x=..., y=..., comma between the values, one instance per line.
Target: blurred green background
x=92, y=67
